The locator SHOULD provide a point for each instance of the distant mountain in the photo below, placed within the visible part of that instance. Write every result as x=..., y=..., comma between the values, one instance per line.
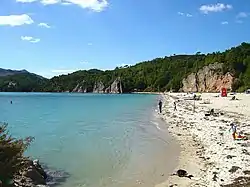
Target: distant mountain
x=7, y=72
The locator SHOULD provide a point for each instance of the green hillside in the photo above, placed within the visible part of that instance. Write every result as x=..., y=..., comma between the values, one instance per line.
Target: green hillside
x=159, y=74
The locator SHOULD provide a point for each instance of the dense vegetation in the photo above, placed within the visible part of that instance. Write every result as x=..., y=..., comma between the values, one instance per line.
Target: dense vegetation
x=159, y=74
x=11, y=155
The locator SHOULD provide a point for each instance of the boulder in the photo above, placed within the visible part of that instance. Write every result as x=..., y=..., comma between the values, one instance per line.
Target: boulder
x=31, y=176
x=39, y=168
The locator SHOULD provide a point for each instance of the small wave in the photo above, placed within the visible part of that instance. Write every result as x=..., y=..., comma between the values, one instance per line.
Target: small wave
x=156, y=125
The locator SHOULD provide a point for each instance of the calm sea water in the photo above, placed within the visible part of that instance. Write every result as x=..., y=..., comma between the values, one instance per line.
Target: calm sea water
x=100, y=140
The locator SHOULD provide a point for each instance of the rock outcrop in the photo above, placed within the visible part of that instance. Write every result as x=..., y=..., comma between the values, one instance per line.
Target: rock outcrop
x=12, y=84
x=36, y=175
x=31, y=176
x=208, y=79
x=99, y=87
x=115, y=87
x=80, y=88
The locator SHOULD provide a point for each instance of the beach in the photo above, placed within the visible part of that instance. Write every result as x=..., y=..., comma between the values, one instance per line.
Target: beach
x=209, y=153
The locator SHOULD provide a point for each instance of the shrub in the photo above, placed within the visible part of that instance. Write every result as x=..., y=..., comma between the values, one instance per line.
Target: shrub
x=11, y=155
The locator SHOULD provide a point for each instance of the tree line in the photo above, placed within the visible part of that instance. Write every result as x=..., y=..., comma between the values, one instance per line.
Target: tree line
x=159, y=74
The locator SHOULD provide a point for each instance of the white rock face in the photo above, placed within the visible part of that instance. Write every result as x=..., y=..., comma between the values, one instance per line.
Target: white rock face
x=99, y=87
x=115, y=87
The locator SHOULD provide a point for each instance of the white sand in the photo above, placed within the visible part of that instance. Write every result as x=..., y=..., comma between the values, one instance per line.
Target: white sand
x=208, y=149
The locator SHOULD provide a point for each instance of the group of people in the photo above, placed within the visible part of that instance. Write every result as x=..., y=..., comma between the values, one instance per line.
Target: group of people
x=233, y=126
x=236, y=136
x=160, y=106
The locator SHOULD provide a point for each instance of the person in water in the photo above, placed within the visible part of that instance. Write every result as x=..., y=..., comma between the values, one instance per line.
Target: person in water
x=160, y=106
x=11, y=102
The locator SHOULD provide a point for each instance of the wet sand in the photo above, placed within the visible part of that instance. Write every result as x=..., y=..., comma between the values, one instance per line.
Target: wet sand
x=157, y=164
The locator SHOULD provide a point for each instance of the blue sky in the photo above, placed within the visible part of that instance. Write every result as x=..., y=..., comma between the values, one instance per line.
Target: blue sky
x=51, y=37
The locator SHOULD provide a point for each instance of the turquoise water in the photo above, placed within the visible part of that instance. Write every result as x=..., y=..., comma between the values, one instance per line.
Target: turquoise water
x=100, y=140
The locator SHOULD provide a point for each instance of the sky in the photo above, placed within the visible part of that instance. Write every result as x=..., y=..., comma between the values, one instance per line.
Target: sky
x=52, y=37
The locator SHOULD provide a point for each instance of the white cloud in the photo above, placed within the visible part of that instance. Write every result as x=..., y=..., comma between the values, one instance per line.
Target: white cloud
x=242, y=15
x=90, y=44
x=15, y=20
x=219, y=7
x=224, y=23
x=183, y=14
x=95, y=5
x=44, y=2
x=65, y=3
x=46, y=25
x=30, y=39
x=26, y=1
x=50, y=2
x=84, y=62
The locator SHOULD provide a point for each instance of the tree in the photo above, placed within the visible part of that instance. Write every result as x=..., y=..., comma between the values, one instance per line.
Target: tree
x=157, y=74
x=11, y=155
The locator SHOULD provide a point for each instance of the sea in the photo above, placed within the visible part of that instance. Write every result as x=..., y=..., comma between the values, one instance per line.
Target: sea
x=99, y=140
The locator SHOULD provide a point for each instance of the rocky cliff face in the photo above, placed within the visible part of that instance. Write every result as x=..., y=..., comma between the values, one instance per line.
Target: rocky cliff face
x=208, y=79
x=98, y=87
x=115, y=87
x=80, y=88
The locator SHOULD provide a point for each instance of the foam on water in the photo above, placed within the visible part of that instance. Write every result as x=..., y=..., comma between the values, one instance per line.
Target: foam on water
x=100, y=140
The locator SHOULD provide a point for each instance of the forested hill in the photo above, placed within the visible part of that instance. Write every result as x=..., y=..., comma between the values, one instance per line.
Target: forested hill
x=6, y=72
x=160, y=74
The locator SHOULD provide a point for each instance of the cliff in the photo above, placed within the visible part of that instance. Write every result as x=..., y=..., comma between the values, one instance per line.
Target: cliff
x=99, y=87
x=115, y=87
x=80, y=88
x=208, y=79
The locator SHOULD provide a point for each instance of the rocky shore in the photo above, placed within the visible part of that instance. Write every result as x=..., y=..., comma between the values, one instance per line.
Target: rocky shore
x=209, y=154
x=36, y=175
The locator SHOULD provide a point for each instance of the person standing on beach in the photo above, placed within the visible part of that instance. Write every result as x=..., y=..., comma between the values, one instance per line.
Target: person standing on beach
x=160, y=106
x=234, y=129
x=175, y=108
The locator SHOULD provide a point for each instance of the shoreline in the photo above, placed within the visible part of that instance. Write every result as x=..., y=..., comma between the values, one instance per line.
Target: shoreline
x=157, y=93
x=208, y=151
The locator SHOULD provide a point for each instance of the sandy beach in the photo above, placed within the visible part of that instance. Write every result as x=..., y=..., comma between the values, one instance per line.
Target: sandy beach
x=208, y=151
